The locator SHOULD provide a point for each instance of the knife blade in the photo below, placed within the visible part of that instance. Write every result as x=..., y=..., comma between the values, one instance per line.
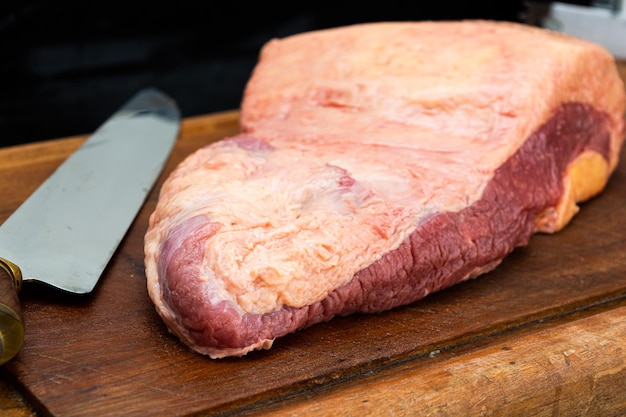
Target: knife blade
x=66, y=232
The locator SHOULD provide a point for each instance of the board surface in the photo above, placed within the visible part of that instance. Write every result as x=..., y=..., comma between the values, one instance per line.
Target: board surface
x=109, y=353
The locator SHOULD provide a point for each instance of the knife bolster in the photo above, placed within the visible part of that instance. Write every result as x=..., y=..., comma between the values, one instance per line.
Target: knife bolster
x=11, y=320
x=14, y=273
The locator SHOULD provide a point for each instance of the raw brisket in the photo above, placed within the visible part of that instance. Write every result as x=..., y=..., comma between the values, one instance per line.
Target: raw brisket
x=376, y=164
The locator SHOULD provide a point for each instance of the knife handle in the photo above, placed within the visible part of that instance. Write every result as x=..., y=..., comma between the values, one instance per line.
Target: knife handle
x=11, y=320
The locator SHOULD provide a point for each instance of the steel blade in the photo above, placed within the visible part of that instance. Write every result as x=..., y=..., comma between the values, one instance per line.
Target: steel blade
x=65, y=233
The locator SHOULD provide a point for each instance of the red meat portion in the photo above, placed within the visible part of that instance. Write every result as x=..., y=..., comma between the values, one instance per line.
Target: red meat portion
x=375, y=167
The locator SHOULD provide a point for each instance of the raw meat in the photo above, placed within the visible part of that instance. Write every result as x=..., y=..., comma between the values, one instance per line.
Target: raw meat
x=379, y=163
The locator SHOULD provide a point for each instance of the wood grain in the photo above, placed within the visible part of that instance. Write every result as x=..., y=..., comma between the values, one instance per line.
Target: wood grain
x=109, y=354
x=12, y=404
x=574, y=368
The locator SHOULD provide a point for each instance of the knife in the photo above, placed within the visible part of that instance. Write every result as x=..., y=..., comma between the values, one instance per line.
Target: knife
x=66, y=232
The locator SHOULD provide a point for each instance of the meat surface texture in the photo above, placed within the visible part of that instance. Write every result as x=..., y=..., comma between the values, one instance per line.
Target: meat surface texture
x=378, y=163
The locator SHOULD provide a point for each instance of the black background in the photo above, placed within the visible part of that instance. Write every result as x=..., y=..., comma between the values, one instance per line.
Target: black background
x=67, y=65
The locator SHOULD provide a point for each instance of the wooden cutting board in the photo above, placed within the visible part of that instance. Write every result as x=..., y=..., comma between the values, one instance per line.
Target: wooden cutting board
x=546, y=325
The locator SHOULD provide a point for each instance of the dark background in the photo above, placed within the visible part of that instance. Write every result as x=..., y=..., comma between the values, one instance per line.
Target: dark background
x=66, y=65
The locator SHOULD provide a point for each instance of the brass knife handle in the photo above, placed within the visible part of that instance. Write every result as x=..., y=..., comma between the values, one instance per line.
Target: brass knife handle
x=11, y=320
